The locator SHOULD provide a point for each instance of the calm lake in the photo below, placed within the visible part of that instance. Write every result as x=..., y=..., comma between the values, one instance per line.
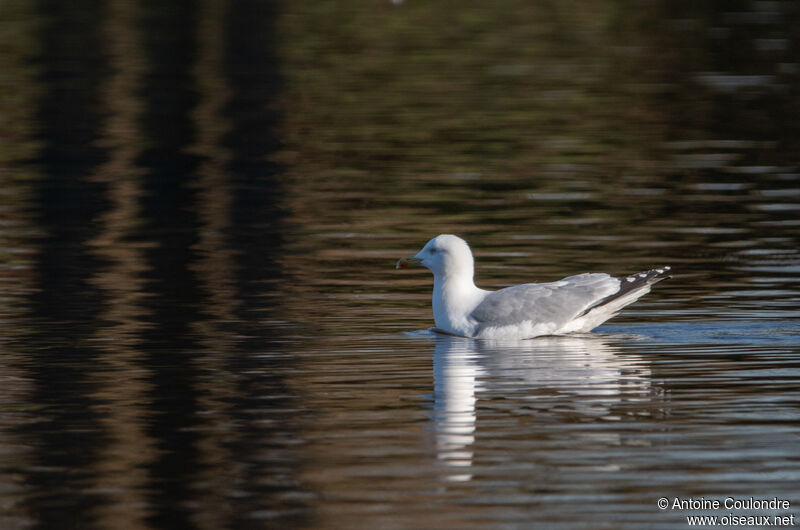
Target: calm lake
x=201, y=206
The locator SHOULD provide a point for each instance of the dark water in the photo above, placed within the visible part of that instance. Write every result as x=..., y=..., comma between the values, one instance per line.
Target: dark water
x=202, y=203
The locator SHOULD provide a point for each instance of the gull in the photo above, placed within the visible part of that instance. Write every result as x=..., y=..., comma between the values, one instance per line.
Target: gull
x=576, y=304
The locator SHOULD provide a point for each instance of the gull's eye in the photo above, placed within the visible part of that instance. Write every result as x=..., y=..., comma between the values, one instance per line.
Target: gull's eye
x=433, y=251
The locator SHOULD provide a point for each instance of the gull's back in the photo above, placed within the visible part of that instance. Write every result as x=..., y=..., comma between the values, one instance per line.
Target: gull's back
x=575, y=304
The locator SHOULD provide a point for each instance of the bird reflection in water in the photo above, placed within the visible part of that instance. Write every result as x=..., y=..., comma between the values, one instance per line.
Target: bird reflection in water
x=456, y=373
x=581, y=375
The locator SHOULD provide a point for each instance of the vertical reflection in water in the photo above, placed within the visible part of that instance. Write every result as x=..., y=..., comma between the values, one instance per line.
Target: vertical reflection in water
x=126, y=337
x=121, y=378
x=215, y=269
x=171, y=226
x=455, y=375
x=65, y=306
x=18, y=99
x=214, y=235
x=266, y=409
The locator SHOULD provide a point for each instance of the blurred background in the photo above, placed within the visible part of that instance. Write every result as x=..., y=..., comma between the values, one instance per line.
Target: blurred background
x=201, y=204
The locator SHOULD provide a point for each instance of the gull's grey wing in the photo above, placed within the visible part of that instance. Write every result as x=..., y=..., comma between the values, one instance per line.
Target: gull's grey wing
x=556, y=302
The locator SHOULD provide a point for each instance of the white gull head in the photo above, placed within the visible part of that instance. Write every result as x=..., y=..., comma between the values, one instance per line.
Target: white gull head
x=448, y=256
x=455, y=295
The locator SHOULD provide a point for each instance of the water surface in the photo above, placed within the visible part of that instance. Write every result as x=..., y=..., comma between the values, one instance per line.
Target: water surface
x=202, y=205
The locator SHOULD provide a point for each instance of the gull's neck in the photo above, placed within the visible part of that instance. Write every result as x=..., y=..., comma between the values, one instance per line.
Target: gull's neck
x=455, y=295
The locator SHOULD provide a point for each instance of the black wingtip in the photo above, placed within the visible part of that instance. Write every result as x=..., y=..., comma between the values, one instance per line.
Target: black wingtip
x=647, y=277
x=632, y=283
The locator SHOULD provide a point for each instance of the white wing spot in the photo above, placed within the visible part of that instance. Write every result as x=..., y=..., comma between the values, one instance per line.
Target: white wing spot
x=642, y=274
x=660, y=271
x=630, y=278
